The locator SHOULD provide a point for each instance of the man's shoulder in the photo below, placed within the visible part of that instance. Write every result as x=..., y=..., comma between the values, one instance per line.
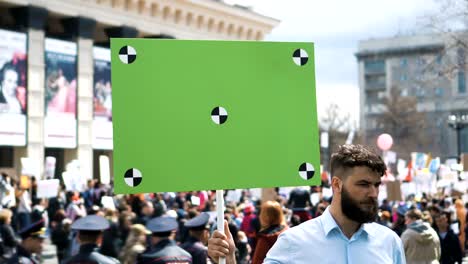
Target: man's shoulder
x=309, y=226
x=380, y=231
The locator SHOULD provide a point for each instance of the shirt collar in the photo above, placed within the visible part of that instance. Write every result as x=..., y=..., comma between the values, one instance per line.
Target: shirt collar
x=329, y=224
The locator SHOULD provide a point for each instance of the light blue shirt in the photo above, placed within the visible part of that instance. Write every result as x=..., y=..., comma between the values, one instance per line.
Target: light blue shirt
x=320, y=240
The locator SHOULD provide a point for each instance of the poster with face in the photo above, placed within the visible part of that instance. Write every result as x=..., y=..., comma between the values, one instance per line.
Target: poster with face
x=13, y=91
x=60, y=93
x=102, y=100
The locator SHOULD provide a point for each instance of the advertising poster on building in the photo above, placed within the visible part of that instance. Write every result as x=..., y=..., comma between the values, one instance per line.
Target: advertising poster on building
x=60, y=93
x=102, y=123
x=13, y=89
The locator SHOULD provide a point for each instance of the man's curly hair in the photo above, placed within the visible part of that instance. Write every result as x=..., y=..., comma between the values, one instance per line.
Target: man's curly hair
x=349, y=156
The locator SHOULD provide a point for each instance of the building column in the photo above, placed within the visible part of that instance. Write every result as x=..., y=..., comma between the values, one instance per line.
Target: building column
x=33, y=20
x=83, y=29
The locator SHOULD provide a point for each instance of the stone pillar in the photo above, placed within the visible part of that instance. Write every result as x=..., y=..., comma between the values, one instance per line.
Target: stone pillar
x=83, y=29
x=33, y=20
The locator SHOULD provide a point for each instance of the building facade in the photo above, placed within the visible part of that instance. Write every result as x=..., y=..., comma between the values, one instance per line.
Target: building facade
x=61, y=106
x=428, y=68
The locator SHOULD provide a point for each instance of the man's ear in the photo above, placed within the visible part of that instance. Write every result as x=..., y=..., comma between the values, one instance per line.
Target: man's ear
x=336, y=184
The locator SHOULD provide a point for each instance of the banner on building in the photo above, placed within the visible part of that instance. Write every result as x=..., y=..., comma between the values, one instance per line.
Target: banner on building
x=60, y=94
x=102, y=101
x=13, y=88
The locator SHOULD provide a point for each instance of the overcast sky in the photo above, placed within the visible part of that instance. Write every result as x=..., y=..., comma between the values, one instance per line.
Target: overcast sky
x=336, y=26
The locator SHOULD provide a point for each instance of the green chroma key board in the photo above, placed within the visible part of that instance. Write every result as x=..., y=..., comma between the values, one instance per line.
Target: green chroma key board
x=204, y=115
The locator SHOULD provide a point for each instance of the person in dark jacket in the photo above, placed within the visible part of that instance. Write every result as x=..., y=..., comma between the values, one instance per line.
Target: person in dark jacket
x=451, y=250
x=198, y=238
x=163, y=249
x=7, y=235
x=90, y=230
x=31, y=245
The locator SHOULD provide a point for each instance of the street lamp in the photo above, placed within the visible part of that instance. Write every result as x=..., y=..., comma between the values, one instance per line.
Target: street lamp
x=458, y=122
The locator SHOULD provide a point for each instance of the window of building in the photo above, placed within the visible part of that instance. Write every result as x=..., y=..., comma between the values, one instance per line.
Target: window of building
x=6, y=157
x=461, y=57
x=439, y=59
x=374, y=66
x=403, y=62
x=403, y=77
x=461, y=82
x=439, y=91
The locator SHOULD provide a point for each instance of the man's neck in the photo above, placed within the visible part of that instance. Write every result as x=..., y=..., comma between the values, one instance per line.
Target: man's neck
x=443, y=229
x=347, y=226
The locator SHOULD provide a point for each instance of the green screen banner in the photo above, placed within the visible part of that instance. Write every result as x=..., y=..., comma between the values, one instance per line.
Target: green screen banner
x=205, y=115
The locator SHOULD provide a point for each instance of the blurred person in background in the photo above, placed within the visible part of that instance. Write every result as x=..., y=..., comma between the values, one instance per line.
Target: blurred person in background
x=420, y=241
x=163, y=249
x=299, y=201
x=384, y=219
x=32, y=244
x=24, y=208
x=8, y=241
x=111, y=242
x=451, y=250
x=135, y=244
x=272, y=225
x=146, y=214
x=60, y=233
x=198, y=230
x=76, y=208
x=90, y=238
x=461, y=218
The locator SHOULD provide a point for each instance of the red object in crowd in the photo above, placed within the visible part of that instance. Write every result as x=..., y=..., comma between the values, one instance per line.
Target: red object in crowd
x=408, y=177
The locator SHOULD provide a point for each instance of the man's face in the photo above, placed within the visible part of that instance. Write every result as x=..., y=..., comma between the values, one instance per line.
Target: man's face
x=10, y=82
x=359, y=195
x=35, y=245
x=441, y=221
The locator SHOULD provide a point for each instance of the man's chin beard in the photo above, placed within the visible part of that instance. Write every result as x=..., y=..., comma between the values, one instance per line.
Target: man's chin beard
x=352, y=209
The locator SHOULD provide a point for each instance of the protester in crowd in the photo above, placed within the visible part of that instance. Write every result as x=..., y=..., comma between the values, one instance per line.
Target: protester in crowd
x=163, y=248
x=147, y=212
x=247, y=224
x=356, y=173
x=24, y=208
x=384, y=219
x=273, y=224
x=8, y=241
x=451, y=250
x=76, y=208
x=90, y=230
x=60, y=233
x=420, y=241
x=299, y=201
x=111, y=242
x=31, y=245
x=461, y=218
x=198, y=229
x=135, y=244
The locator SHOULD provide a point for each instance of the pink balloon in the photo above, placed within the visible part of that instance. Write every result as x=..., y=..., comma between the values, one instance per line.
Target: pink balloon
x=384, y=142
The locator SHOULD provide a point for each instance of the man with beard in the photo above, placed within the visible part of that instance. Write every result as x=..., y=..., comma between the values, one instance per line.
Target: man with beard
x=345, y=232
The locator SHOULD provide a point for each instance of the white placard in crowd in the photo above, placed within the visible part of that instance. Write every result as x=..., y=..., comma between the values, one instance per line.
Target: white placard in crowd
x=104, y=169
x=30, y=167
x=390, y=157
x=327, y=193
x=49, y=169
x=315, y=198
x=195, y=200
x=108, y=202
x=233, y=195
x=47, y=188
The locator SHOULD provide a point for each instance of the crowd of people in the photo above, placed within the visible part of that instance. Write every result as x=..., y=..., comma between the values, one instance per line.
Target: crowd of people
x=176, y=227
